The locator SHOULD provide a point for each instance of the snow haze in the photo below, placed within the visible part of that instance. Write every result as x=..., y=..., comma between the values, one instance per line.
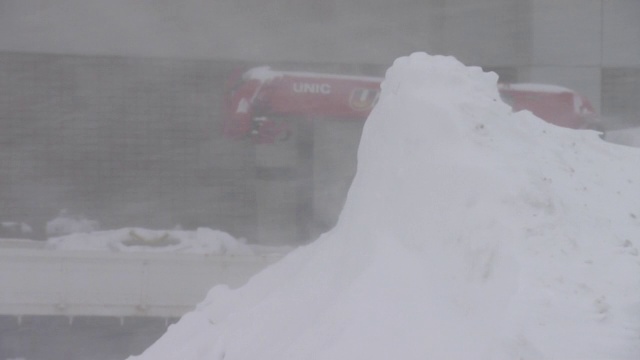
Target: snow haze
x=469, y=232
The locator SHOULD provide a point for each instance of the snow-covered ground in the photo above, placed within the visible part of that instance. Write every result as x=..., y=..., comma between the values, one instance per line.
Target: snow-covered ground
x=469, y=232
x=200, y=241
x=68, y=232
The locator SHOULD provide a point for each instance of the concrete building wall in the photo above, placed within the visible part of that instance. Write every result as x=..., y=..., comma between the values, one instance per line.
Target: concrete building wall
x=621, y=62
x=483, y=32
x=252, y=30
x=125, y=141
x=621, y=33
x=492, y=33
x=566, y=32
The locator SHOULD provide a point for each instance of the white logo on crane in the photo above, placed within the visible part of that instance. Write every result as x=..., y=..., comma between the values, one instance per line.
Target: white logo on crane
x=311, y=88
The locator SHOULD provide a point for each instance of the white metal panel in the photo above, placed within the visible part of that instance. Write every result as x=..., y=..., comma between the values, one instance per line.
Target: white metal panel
x=48, y=282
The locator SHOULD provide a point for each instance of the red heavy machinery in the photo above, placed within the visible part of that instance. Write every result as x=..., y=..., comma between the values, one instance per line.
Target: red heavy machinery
x=261, y=102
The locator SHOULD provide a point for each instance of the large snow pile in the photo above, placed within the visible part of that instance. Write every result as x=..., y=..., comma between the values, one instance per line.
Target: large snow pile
x=469, y=232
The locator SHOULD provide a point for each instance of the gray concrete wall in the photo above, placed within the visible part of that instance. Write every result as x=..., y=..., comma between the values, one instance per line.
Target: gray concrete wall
x=588, y=45
x=566, y=46
x=621, y=33
x=489, y=32
x=253, y=30
x=482, y=32
x=125, y=141
x=566, y=33
x=621, y=62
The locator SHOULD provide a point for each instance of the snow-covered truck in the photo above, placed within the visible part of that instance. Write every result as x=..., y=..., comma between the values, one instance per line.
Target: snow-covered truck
x=262, y=104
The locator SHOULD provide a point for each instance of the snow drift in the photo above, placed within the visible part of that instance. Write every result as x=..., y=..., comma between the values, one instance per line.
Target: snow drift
x=199, y=241
x=469, y=232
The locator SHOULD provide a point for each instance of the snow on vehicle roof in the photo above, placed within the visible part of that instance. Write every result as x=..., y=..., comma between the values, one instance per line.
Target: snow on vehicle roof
x=546, y=88
x=266, y=73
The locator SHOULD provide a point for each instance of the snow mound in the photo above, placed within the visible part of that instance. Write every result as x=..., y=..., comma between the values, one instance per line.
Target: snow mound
x=469, y=232
x=66, y=223
x=200, y=241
